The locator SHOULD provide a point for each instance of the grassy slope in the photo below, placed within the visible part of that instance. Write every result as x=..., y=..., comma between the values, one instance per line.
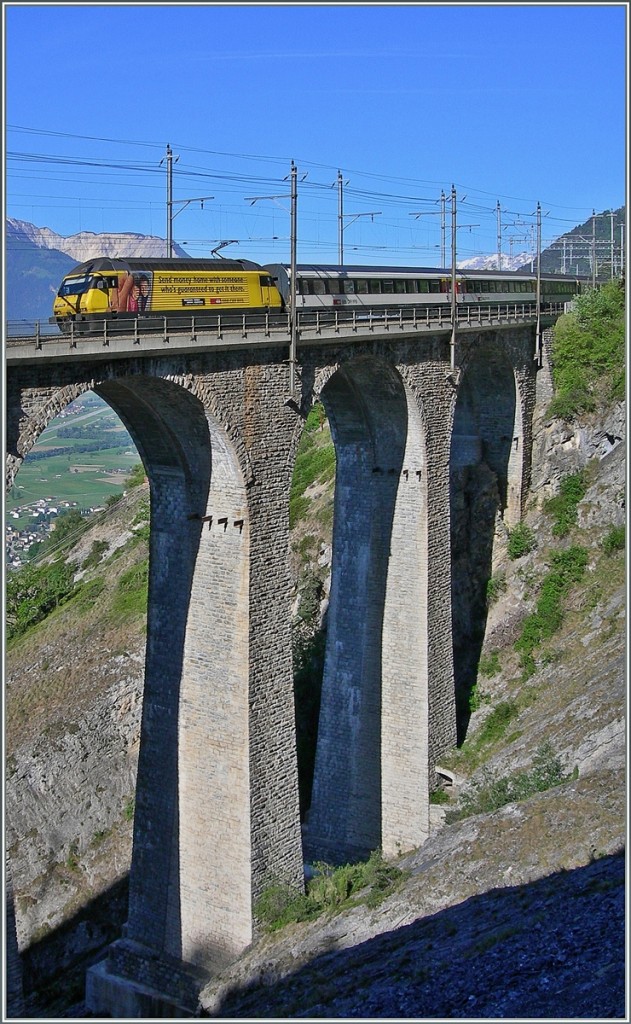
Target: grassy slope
x=45, y=687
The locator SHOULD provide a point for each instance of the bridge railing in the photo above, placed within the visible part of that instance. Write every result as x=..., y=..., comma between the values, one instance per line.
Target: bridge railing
x=310, y=323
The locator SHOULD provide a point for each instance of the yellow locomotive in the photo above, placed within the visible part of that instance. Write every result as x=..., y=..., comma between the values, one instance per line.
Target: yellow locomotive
x=118, y=291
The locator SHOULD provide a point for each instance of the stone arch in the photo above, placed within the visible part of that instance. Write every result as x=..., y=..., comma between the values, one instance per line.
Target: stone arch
x=23, y=435
x=188, y=901
x=371, y=776
x=485, y=463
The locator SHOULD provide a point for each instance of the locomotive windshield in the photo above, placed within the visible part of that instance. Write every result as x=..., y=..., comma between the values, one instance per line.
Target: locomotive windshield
x=75, y=286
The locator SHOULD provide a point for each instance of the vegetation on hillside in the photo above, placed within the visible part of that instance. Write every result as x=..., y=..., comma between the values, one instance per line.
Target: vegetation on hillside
x=588, y=353
x=329, y=891
x=47, y=580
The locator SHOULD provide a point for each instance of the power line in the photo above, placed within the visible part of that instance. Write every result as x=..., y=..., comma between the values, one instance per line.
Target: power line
x=285, y=160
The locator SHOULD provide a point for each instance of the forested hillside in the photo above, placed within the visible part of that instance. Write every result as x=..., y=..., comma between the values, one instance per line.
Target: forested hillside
x=571, y=253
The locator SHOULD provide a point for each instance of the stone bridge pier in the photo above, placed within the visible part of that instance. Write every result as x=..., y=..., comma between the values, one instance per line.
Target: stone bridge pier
x=217, y=812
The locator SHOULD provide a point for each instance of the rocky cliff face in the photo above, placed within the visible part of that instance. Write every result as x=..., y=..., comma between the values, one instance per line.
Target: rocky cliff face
x=536, y=883
x=72, y=730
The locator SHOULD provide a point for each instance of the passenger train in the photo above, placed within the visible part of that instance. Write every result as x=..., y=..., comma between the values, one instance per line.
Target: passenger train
x=145, y=292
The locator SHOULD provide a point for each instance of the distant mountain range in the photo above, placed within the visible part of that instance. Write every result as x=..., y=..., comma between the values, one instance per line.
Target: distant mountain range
x=38, y=258
x=491, y=262
x=86, y=244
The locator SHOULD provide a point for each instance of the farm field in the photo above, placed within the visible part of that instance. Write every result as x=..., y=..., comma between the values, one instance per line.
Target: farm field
x=82, y=458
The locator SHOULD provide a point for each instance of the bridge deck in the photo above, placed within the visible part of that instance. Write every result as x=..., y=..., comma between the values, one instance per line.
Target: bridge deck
x=256, y=330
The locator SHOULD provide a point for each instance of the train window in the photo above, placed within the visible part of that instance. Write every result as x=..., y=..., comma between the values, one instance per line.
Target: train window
x=361, y=287
x=399, y=287
x=387, y=287
x=434, y=286
x=423, y=286
x=75, y=286
x=375, y=286
x=333, y=287
x=411, y=287
x=266, y=281
x=318, y=287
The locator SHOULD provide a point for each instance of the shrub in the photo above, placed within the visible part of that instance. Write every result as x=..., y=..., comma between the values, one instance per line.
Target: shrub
x=98, y=549
x=329, y=890
x=72, y=860
x=33, y=592
x=136, y=477
x=521, y=540
x=497, y=722
x=490, y=664
x=615, y=540
x=564, y=506
x=567, y=568
x=279, y=905
x=494, y=587
x=492, y=792
x=310, y=589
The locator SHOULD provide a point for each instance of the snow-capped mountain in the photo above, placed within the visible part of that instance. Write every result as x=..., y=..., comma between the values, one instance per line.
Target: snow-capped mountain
x=491, y=262
x=87, y=245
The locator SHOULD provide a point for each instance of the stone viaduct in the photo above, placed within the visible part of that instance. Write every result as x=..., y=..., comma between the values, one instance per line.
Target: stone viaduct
x=217, y=815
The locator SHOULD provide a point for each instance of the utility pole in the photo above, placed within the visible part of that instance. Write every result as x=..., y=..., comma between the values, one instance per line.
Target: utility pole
x=185, y=202
x=294, y=325
x=611, y=223
x=538, y=336
x=443, y=229
x=349, y=216
x=340, y=219
x=453, y=279
x=169, y=159
x=593, y=248
x=499, y=236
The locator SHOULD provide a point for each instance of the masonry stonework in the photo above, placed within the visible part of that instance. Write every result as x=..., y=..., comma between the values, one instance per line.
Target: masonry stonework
x=217, y=815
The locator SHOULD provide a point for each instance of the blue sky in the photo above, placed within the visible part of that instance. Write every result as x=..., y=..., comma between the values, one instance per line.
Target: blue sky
x=511, y=103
